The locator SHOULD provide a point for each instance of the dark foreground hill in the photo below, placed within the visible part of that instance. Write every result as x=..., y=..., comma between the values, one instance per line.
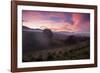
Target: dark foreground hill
x=45, y=43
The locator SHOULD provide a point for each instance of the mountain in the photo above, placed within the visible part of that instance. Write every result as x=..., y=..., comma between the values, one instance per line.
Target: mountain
x=24, y=28
x=75, y=33
x=37, y=39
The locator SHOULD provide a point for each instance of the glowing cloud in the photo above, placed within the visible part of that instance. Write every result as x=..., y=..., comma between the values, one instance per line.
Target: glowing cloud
x=57, y=21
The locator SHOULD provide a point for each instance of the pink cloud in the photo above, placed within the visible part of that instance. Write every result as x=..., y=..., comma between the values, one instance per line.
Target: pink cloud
x=36, y=19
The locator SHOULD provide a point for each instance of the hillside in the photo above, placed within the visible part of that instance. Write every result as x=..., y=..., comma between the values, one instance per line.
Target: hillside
x=37, y=42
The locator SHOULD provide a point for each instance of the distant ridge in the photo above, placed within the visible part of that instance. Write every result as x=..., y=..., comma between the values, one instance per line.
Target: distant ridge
x=65, y=33
x=25, y=28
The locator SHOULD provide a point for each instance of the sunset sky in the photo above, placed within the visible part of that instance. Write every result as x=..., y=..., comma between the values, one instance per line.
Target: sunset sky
x=56, y=21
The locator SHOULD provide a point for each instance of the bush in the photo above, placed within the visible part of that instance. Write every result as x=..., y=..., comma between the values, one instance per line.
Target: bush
x=50, y=57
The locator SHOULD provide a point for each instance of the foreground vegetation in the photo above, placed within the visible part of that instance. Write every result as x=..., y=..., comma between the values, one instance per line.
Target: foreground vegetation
x=58, y=54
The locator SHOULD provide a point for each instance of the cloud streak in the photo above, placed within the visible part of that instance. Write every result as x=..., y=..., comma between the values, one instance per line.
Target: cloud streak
x=57, y=21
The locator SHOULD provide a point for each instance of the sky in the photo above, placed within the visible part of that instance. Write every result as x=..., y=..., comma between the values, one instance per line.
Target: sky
x=56, y=21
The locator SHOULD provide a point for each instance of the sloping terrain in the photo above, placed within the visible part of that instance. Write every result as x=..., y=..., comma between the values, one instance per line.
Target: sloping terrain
x=45, y=45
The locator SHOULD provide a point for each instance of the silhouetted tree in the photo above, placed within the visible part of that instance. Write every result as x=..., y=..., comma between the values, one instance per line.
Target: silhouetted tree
x=50, y=57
